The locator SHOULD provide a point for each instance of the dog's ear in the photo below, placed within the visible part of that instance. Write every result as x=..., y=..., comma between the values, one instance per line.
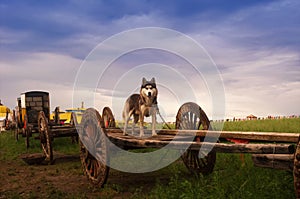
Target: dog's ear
x=152, y=80
x=144, y=81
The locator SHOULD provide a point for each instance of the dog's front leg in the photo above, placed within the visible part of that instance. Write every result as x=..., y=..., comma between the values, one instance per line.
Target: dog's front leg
x=153, y=121
x=125, y=125
x=141, y=125
x=133, y=126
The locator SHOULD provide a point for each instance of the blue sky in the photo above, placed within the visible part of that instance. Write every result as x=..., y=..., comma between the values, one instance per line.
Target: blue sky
x=255, y=45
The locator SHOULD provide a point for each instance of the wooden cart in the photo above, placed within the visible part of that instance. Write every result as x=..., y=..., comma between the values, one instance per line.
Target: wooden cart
x=190, y=117
x=33, y=117
x=29, y=104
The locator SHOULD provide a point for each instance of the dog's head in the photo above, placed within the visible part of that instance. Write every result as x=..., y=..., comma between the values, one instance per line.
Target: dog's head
x=149, y=90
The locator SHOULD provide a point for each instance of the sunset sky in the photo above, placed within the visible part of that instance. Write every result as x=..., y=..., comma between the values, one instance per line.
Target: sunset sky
x=255, y=46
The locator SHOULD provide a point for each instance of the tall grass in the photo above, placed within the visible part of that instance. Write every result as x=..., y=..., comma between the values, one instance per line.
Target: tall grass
x=11, y=149
x=279, y=125
x=229, y=180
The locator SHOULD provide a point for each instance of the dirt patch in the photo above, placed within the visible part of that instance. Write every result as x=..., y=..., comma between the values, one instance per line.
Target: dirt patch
x=65, y=179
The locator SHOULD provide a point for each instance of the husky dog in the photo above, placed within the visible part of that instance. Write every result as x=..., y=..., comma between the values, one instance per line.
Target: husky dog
x=141, y=105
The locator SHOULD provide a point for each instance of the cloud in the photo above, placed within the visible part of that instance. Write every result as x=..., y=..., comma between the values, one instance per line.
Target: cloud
x=258, y=59
x=261, y=81
x=255, y=45
x=21, y=72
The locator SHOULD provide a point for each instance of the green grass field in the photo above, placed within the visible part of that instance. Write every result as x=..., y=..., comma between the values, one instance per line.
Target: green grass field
x=230, y=178
x=280, y=125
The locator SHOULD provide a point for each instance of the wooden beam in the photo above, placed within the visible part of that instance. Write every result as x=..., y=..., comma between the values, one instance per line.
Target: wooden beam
x=134, y=142
x=274, y=161
x=257, y=136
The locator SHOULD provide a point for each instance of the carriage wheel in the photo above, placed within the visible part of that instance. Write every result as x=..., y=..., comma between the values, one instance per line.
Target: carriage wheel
x=191, y=116
x=92, y=134
x=45, y=136
x=108, y=118
x=297, y=170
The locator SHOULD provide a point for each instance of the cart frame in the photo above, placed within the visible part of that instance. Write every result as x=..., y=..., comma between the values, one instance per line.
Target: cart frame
x=189, y=118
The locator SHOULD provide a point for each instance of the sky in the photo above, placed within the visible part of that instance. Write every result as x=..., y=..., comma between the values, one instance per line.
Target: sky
x=254, y=45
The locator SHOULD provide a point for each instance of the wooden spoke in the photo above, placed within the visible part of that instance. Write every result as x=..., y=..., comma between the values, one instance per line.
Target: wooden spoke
x=190, y=116
x=108, y=118
x=45, y=136
x=93, y=148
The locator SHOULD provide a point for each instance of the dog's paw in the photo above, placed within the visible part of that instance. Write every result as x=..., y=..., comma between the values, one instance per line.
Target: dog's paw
x=124, y=133
x=154, y=133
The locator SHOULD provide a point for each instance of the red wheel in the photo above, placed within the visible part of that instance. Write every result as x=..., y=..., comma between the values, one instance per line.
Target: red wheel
x=191, y=116
x=93, y=143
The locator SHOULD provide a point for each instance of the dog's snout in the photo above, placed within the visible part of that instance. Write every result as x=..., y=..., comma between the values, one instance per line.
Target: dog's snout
x=149, y=94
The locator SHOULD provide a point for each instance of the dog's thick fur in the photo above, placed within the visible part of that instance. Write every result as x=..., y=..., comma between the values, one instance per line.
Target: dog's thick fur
x=141, y=105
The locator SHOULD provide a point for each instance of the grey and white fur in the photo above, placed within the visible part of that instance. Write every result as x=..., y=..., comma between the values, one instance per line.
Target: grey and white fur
x=142, y=105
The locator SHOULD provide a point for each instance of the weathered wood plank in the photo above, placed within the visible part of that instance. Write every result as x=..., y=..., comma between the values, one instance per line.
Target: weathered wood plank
x=274, y=161
x=132, y=142
x=60, y=126
x=257, y=136
x=64, y=132
x=63, y=129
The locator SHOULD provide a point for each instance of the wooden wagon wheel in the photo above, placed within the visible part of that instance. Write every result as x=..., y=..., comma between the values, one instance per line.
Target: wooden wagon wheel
x=108, y=118
x=93, y=134
x=45, y=136
x=296, y=171
x=190, y=116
